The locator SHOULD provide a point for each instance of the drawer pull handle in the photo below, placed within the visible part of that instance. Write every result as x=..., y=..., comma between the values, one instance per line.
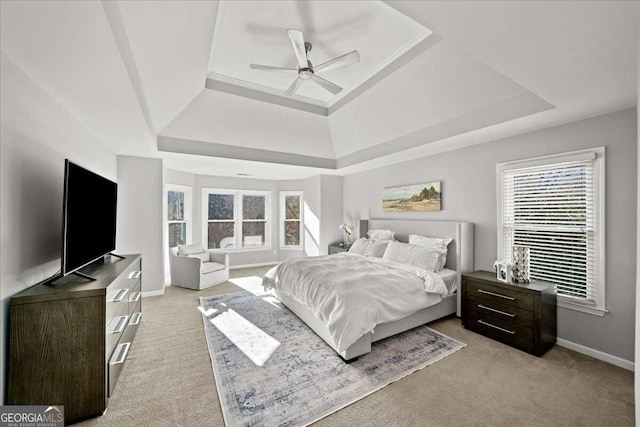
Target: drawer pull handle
x=120, y=295
x=123, y=350
x=504, y=313
x=496, y=327
x=135, y=297
x=122, y=323
x=135, y=274
x=135, y=318
x=482, y=291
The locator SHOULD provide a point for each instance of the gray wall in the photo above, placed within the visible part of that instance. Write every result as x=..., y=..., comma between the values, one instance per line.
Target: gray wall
x=36, y=135
x=323, y=207
x=141, y=216
x=469, y=194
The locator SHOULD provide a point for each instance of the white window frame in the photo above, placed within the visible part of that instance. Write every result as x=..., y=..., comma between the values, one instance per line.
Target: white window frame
x=283, y=219
x=187, y=210
x=237, y=218
x=598, y=154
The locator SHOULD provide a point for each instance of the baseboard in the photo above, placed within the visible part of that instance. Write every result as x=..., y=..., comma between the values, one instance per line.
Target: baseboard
x=260, y=264
x=597, y=354
x=153, y=293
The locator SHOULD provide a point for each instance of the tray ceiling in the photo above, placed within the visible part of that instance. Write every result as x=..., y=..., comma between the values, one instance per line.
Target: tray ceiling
x=256, y=32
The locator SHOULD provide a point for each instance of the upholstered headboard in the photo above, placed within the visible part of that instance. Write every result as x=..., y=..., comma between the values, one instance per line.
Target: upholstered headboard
x=460, y=255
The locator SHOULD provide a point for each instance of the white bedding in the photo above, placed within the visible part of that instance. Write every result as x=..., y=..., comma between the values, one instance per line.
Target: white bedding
x=450, y=278
x=352, y=294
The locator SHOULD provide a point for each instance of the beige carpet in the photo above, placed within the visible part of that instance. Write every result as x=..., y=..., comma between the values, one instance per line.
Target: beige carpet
x=168, y=380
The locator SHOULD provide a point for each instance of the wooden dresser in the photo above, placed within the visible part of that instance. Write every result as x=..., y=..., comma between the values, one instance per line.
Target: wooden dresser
x=70, y=339
x=520, y=315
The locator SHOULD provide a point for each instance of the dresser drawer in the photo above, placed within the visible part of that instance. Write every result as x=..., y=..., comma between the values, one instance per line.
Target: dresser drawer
x=501, y=311
x=115, y=329
x=505, y=295
x=121, y=290
x=135, y=295
x=121, y=351
x=501, y=330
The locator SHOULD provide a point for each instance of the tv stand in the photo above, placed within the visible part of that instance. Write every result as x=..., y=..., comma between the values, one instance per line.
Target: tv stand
x=84, y=276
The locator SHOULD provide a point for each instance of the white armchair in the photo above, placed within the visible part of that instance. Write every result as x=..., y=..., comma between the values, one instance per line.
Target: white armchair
x=195, y=269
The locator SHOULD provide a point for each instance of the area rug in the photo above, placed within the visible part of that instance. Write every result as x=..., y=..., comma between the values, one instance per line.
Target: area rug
x=271, y=369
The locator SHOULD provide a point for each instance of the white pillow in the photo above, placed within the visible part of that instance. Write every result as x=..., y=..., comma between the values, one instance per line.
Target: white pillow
x=432, y=242
x=381, y=234
x=204, y=256
x=377, y=248
x=368, y=247
x=195, y=248
x=359, y=247
x=429, y=242
x=420, y=256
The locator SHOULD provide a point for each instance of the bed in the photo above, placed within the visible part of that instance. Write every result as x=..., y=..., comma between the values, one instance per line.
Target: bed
x=446, y=302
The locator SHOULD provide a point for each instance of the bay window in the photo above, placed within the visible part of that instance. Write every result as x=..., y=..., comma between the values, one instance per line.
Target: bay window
x=236, y=219
x=291, y=221
x=178, y=214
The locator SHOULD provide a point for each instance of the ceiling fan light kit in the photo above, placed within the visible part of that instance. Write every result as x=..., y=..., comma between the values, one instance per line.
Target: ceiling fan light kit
x=306, y=70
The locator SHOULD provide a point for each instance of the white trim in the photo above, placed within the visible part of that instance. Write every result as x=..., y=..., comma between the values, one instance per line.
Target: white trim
x=153, y=293
x=259, y=264
x=566, y=303
x=597, y=354
x=282, y=219
x=598, y=155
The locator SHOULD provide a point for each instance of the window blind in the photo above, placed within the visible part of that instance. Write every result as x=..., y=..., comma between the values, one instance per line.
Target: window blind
x=551, y=210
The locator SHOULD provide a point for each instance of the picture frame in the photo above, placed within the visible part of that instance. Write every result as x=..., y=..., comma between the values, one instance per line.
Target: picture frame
x=504, y=271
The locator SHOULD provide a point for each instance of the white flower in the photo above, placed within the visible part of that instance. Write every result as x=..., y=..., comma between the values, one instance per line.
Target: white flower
x=348, y=228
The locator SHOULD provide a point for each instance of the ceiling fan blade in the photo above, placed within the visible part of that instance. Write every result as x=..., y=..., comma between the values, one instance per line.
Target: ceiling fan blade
x=331, y=87
x=352, y=57
x=297, y=41
x=270, y=68
x=294, y=86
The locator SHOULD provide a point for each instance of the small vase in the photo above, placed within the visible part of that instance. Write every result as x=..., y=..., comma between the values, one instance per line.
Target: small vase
x=347, y=239
x=520, y=259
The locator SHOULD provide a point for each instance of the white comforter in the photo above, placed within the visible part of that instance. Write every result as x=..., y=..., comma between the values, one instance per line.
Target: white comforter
x=352, y=294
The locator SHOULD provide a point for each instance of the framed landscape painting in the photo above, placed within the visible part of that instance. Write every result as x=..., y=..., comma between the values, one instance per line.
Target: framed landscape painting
x=412, y=198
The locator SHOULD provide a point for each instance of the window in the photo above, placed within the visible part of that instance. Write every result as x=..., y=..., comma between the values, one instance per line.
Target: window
x=178, y=214
x=554, y=205
x=291, y=223
x=236, y=219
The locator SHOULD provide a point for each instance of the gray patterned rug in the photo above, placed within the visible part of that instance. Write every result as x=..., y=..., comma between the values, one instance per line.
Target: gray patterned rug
x=272, y=370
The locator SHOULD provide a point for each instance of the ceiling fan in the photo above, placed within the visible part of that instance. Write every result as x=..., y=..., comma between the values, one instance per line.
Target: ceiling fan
x=306, y=70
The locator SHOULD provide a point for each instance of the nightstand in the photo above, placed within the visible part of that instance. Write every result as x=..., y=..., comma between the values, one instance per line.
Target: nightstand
x=522, y=315
x=336, y=249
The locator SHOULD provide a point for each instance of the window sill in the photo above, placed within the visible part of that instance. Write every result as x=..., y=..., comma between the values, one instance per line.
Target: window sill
x=581, y=307
x=260, y=249
x=291, y=248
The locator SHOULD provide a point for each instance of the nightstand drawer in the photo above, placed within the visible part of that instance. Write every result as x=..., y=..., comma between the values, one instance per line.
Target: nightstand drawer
x=496, y=309
x=502, y=294
x=501, y=330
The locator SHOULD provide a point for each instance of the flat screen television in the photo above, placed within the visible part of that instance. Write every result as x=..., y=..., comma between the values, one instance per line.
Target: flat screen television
x=88, y=217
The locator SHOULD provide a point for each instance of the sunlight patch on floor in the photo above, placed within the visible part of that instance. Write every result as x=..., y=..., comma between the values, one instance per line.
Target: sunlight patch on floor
x=252, y=284
x=207, y=313
x=273, y=301
x=256, y=344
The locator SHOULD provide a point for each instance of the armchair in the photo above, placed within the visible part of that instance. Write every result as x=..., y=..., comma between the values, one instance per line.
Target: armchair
x=198, y=270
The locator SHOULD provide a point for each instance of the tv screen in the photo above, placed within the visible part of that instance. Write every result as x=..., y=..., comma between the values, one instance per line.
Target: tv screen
x=89, y=217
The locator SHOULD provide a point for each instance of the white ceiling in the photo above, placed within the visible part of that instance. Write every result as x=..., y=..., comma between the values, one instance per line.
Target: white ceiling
x=256, y=32
x=133, y=72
